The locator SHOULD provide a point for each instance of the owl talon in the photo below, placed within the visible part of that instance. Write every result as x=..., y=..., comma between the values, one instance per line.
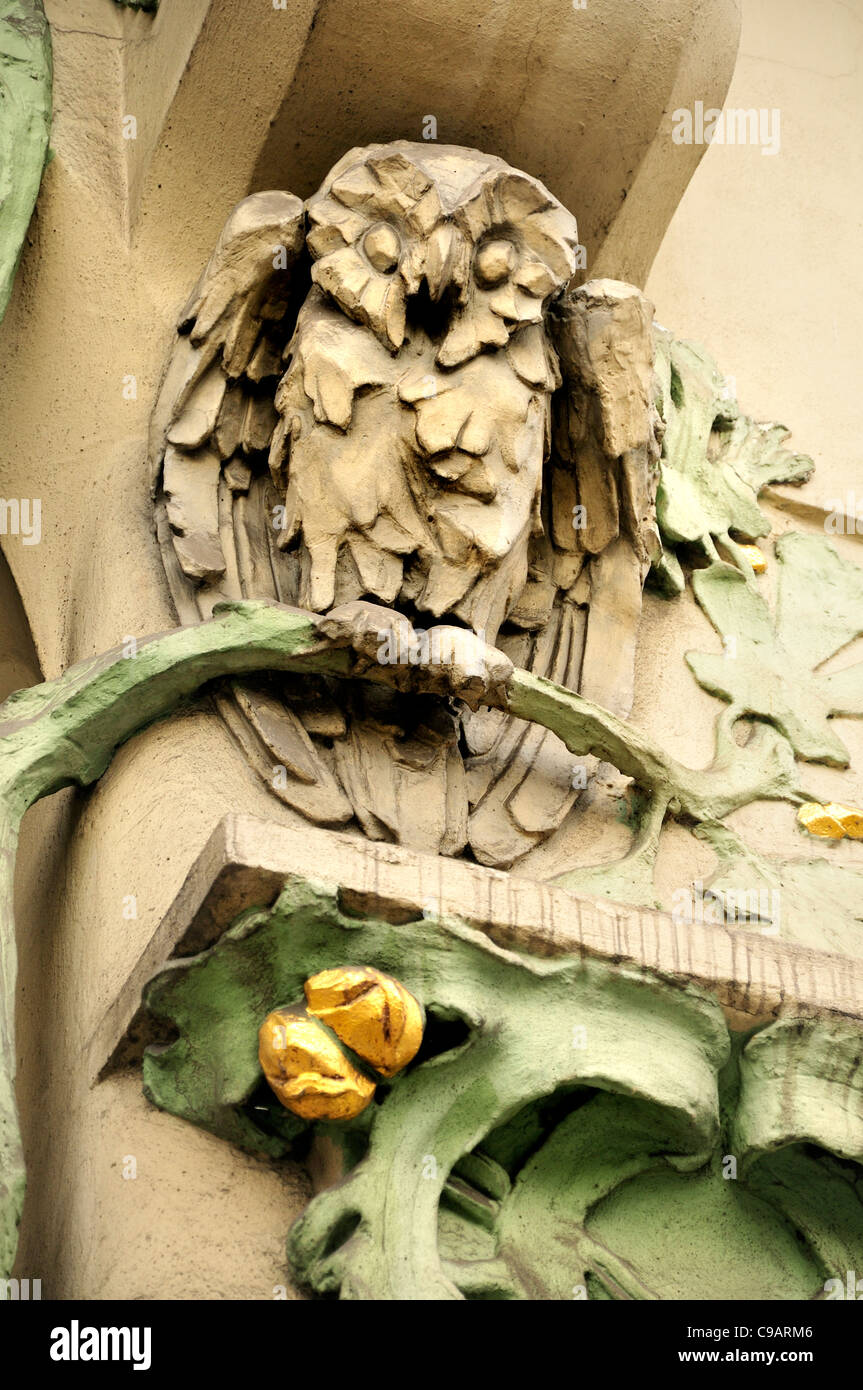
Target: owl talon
x=448, y=661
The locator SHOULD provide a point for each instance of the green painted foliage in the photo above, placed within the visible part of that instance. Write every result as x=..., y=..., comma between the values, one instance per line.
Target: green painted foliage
x=563, y=1132
x=714, y=462
x=25, y=123
x=770, y=664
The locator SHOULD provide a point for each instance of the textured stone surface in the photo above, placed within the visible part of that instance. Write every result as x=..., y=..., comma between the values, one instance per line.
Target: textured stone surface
x=744, y=224
x=419, y=411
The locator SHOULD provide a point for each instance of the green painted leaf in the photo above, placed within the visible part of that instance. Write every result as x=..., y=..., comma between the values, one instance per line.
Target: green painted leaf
x=714, y=461
x=807, y=902
x=25, y=122
x=770, y=664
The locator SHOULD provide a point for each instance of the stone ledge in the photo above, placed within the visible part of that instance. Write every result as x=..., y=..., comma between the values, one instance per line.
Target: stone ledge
x=247, y=860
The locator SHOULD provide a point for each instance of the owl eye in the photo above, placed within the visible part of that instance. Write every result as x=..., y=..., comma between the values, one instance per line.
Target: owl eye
x=382, y=247
x=495, y=262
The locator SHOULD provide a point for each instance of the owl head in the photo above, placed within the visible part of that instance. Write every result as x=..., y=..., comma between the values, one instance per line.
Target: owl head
x=395, y=223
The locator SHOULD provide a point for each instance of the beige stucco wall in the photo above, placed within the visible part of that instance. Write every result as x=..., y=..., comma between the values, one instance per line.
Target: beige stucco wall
x=762, y=263
x=758, y=262
x=763, y=254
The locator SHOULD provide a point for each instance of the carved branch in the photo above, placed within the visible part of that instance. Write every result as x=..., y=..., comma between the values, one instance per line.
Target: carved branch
x=65, y=732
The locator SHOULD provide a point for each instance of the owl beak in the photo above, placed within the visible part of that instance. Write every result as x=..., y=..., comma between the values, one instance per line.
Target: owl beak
x=444, y=260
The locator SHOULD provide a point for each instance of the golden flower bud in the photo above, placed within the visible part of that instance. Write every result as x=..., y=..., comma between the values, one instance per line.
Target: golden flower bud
x=372, y=1014
x=756, y=557
x=307, y=1069
x=849, y=817
x=831, y=822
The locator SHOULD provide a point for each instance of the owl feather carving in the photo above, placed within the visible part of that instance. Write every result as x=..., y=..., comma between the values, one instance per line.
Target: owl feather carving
x=394, y=394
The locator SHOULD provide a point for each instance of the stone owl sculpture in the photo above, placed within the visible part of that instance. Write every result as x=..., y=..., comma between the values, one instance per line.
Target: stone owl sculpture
x=393, y=394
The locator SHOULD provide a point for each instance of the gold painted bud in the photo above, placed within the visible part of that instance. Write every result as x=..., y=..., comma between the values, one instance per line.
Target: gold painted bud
x=849, y=817
x=372, y=1014
x=756, y=557
x=307, y=1069
x=821, y=820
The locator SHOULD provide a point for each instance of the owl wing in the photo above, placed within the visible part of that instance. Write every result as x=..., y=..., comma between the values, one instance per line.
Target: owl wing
x=215, y=414
x=579, y=613
x=605, y=469
x=216, y=507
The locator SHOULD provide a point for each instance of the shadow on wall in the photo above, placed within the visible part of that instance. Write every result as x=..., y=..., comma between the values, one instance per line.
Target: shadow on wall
x=19, y=664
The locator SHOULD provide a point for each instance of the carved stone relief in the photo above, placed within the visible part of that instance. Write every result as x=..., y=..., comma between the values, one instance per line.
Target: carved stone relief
x=402, y=419
x=410, y=481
